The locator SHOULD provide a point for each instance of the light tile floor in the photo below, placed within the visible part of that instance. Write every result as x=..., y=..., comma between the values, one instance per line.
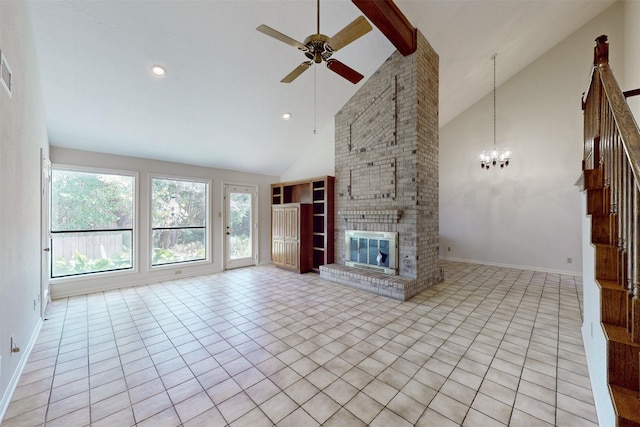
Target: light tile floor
x=260, y=346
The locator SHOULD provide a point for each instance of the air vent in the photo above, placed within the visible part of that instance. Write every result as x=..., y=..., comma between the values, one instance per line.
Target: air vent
x=5, y=74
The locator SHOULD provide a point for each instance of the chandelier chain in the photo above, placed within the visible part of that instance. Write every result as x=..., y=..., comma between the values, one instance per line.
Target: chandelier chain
x=494, y=99
x=315, y=100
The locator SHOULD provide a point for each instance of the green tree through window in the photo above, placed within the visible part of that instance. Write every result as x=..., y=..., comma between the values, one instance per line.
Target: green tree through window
x=179, y=220
x=91, y=222
x=240, y=209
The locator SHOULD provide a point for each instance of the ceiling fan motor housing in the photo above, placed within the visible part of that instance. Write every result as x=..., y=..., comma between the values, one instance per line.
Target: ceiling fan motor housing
x=317, y=48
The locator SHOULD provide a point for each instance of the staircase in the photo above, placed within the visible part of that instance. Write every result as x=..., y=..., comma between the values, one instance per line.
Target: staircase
x=611, y=168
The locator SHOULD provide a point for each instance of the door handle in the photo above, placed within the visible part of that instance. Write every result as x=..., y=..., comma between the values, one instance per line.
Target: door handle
x=46, y=249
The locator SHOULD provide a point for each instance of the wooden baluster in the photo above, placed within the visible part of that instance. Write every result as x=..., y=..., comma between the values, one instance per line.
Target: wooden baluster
x=615, y=193
x=633, y=314
x=629, y=231
x=611, y=157
x=628, y=224
x=622, y=213
x=606, y=152
x=595, y=117
x=620, y=179
x=614, y=171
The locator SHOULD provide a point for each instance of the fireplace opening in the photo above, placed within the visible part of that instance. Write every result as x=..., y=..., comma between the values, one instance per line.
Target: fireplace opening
x=372, y=249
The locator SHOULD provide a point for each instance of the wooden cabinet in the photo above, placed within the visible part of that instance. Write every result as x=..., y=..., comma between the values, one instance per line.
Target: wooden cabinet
x=317, y=194
x=290, y=236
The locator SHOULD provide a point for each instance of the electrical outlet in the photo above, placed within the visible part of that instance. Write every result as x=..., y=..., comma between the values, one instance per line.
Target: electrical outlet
x=569, y=260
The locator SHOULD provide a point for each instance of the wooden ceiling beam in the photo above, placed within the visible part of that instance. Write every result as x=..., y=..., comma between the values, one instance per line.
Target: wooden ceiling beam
x=385, y=15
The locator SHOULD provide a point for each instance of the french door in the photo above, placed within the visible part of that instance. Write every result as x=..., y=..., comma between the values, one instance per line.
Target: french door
x=240, y=226
x=45, y=232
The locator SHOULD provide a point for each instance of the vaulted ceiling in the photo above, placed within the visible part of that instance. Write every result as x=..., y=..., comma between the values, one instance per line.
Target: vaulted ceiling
x=221, y=101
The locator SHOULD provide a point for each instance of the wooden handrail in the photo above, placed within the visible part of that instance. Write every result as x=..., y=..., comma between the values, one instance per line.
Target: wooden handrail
x=625, y=122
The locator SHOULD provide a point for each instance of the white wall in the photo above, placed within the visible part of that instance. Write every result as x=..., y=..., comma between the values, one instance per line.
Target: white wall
x=528, y=213
x=632, y=61
x=317, y=160
x=22, y=135
x=145, y=168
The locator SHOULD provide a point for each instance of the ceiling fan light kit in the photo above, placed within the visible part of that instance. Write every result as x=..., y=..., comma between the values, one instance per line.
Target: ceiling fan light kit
x=319, y=48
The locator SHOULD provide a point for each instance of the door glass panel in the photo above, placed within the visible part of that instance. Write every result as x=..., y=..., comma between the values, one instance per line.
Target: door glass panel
x=240, y=226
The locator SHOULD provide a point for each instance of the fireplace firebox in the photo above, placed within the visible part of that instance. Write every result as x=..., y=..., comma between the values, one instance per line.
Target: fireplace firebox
x=373, y=250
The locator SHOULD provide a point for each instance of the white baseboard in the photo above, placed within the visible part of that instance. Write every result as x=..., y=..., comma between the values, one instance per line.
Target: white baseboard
x=519, y=267
x=15, y=378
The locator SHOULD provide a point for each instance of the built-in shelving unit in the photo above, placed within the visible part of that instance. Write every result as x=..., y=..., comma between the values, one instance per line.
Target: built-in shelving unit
x=317, y=192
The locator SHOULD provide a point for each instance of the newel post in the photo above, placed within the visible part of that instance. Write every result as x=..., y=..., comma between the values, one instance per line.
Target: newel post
x=601, y=51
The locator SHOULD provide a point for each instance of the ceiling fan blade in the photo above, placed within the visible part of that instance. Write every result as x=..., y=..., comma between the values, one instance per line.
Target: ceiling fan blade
x=345, y=71
x=296, y=72
x=356, y=29
x=282, y=37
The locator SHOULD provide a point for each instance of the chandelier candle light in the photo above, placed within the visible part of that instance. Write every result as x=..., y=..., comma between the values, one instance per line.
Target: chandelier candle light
x=494, y=157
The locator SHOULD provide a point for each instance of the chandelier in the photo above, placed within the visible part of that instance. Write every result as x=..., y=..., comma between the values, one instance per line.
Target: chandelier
x=494, y=157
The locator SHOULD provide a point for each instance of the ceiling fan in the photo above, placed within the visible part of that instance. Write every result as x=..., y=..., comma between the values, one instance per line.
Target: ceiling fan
x=318, y=47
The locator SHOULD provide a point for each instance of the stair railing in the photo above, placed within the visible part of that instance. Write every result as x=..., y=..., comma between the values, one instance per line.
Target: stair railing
x=612, y=144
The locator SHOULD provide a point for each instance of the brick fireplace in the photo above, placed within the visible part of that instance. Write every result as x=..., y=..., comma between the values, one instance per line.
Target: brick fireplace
x=386, y=162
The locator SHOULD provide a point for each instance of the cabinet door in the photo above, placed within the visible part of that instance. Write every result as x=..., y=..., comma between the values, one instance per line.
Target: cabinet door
x=291, y=223
x=291, y=254
x=277, y=251
x=277, y=223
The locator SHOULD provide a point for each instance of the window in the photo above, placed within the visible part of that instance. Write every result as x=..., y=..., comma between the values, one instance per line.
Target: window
x=179, y=221
x=91, y=222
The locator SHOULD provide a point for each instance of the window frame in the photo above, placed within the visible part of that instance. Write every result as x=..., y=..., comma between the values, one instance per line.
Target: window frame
x=135, y=242
x=208, y=233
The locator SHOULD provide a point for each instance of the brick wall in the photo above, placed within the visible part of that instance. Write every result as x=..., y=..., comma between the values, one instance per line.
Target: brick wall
x=386, y=159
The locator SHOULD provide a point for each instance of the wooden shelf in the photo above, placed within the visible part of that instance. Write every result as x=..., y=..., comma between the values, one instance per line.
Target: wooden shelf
x=318, y=193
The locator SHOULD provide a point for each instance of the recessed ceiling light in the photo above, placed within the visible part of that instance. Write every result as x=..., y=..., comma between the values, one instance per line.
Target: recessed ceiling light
x=286, y=116
x=158, y=71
